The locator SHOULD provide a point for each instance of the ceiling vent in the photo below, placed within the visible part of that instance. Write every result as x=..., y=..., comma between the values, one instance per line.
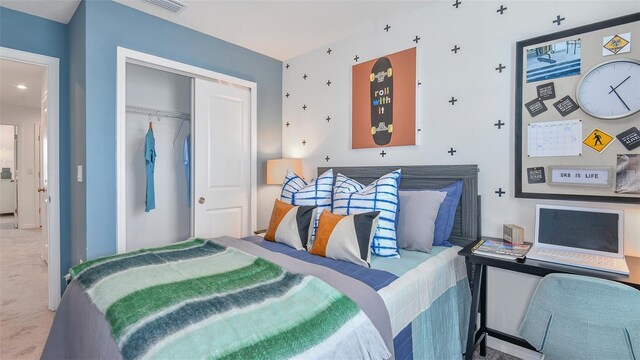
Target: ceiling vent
x=171, y=5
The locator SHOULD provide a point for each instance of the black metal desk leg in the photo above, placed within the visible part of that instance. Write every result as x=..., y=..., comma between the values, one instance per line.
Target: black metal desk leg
x=483, y=311
x=473, y=312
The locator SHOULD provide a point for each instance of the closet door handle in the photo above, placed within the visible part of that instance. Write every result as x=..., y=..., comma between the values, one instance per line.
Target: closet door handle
x=201, y=200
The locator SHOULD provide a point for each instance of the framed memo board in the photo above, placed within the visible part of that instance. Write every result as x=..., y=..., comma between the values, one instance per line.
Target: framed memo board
x=577, y=113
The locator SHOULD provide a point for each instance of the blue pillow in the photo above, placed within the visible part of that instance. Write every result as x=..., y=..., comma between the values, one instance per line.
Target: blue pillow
x=446, y=214
x=351, y=197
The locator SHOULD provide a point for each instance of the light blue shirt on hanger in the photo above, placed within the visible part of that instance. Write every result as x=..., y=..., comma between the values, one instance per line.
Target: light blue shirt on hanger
x=150, y=164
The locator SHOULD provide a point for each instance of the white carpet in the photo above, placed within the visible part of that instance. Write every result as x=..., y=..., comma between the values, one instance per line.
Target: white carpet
x=24, y=317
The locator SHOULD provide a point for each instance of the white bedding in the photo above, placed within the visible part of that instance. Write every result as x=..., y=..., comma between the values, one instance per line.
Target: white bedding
x=423, y=278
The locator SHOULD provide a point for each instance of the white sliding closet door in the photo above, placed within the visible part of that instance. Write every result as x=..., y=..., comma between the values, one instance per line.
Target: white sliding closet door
x=222, y=159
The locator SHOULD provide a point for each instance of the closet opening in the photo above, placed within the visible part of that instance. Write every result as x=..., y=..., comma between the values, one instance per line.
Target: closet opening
x=158, y=157
x=193, y=132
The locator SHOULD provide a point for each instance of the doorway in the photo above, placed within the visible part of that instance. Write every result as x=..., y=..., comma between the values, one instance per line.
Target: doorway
x=30, y=101
x=225, y=169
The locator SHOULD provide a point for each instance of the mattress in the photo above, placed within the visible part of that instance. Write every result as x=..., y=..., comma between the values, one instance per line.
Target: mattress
x=419, y=311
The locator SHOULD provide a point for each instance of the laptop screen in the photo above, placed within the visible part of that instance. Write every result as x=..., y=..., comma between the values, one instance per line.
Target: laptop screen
x=580, y=229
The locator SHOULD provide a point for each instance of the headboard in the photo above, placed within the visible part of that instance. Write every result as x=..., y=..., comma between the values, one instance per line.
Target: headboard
x=466, y=226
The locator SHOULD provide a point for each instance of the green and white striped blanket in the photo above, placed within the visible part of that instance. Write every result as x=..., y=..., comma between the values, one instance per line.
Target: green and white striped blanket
x=199, y=299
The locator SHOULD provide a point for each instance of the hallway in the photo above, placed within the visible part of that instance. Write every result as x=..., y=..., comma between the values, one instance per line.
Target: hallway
x=24, y=317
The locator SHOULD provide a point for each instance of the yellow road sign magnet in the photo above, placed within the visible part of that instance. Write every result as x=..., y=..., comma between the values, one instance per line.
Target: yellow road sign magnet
x=598, y=140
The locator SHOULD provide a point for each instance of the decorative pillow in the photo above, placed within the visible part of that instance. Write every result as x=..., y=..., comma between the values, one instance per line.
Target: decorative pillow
x=290, y=224
x=296, y=191
x=351, y=197
x=417, y=217
x=346, y=237
x=446, y=214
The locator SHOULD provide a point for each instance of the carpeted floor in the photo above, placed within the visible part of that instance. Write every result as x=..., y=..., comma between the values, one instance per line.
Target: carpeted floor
x=24, y=317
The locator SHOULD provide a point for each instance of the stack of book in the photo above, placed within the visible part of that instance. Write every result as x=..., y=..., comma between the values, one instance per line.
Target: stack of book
x=500, y=249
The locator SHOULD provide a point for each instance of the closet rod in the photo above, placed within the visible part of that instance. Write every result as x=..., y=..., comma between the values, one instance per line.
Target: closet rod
x=158, y=113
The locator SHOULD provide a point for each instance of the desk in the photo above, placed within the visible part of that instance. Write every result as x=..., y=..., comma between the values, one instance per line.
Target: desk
x=478, y=264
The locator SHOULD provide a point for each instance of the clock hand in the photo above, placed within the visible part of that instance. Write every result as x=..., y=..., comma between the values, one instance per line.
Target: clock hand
x=614, y=88
x=623, y=103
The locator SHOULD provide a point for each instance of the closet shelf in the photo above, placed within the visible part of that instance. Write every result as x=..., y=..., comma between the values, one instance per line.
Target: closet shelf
x=158, y=113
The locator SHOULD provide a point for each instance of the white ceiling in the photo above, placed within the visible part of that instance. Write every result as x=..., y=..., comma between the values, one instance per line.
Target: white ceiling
x=279, y=29
x=56, y=10
x=13, y=73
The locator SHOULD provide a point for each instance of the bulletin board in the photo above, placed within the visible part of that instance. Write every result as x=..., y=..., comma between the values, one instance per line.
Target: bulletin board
x=577, y=98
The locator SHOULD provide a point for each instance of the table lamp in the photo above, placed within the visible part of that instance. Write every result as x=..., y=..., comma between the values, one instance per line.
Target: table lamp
x=277, y=169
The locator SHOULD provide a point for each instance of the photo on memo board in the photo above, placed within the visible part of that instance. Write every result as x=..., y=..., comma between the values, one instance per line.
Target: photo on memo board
x=576, y=96
x=384, y=101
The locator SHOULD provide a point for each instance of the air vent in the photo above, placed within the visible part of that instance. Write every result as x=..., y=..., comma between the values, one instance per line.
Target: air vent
x=171, y=5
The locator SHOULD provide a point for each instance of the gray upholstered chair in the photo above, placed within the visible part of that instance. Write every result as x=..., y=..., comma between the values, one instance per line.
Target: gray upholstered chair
x=580, y=317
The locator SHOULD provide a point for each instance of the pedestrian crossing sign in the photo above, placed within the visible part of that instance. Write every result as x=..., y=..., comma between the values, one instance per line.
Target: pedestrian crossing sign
x=598, y=140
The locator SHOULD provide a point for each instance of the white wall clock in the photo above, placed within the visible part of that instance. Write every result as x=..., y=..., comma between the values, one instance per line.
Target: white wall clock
x=611, y=90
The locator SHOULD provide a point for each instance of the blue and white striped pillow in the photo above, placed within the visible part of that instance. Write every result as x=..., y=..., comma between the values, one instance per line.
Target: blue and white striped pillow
x=296, y=191
x=351, y=197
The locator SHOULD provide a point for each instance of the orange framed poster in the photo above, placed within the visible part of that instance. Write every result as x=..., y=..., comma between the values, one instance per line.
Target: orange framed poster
x=384, y=101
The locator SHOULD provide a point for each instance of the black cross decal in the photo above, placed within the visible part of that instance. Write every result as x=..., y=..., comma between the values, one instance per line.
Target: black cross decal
x=287, y=124
x=500, y=68
x=386, y=28
x=457, y=3
x=452, y=151
x=287, y=95
x=305, y=76
x=328, y=82
x=327, y=158
x=419, y=130
x=499, y=124
x=382, y=153
x=499, y=192
x=416, y=39
x=501, y=10
x=304, y=107
x=356, y=58
x=287, y=66
x=455, y=49
x=453, y=101
x=329, y=51
x=328, y=118
x=558, y=20
x=304, y=142
x=419, y=83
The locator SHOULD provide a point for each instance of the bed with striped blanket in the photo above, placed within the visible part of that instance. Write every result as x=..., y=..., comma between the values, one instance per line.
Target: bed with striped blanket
x=219, y=298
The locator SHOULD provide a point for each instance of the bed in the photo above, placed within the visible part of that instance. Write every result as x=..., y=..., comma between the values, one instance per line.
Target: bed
x=417, y=305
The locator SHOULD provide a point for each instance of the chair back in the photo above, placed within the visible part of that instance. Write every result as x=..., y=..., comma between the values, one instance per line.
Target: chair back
x=580, y=317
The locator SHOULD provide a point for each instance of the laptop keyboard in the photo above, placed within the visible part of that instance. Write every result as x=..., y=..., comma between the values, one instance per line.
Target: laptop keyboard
x=586, y=259
x=575, y=258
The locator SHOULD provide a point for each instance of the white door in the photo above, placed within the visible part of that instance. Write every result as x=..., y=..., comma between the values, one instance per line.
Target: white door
x=222, y=160
x=42, y=180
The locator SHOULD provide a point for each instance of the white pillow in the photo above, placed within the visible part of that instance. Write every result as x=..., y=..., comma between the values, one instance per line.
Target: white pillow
x=351, y=197
x=296, y=191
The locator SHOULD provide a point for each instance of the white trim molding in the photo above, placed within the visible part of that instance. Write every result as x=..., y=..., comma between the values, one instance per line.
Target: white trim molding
x=53, y=166
x=125, y=56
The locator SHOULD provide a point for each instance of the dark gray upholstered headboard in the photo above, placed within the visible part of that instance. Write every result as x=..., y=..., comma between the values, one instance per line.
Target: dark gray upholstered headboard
x=466, y=226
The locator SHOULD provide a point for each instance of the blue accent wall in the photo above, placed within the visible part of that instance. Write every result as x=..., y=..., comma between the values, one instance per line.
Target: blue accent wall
x=37, y=35
x=77, y=80
x=109, y=25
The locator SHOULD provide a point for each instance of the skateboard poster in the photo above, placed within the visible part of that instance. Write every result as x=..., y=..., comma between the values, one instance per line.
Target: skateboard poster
x=384, y=101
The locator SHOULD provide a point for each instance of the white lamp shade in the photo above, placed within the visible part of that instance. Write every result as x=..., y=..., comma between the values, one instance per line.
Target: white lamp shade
x=277, y=169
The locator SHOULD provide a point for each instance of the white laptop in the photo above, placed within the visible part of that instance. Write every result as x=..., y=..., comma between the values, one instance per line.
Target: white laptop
x=584, y=237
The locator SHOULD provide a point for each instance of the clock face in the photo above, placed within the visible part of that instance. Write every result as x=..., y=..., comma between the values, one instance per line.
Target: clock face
x=611, y=90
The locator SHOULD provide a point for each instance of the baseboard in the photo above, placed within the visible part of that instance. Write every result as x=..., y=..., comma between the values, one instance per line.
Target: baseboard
x=511, y=349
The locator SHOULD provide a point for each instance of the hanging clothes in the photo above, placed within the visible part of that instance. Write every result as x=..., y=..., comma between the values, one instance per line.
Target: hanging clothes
x=187, y=166
x=150, y=163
